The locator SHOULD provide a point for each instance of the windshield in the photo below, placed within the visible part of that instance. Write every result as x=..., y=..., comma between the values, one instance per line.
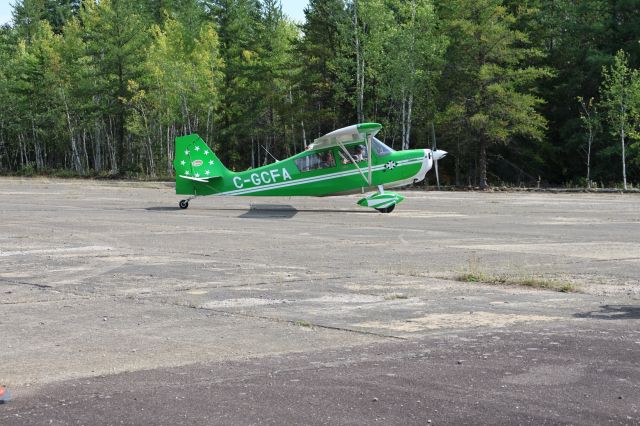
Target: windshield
x=380, y=148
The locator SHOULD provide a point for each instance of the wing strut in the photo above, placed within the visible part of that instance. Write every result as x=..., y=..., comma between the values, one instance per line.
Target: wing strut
x=341, y=145
x=369, y=138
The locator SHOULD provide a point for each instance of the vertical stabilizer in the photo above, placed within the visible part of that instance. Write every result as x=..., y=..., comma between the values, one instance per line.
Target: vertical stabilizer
x=195, y=163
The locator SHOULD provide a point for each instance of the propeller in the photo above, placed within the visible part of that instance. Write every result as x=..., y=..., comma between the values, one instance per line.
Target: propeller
x=437, y=154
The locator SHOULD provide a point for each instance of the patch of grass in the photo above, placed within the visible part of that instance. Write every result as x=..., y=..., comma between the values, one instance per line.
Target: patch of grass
x=413, y=272
x=395, y=296
x=303, y=323
x=547, y=284
x=561, y=286
x=474, y=277
x=475, y=274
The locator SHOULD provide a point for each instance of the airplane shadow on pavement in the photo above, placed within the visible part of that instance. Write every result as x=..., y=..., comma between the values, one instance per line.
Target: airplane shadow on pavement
x=612, y=312
x=259, y=211
x=286, y=211
x=270, y=211
x=162, y=209
x=267, y=211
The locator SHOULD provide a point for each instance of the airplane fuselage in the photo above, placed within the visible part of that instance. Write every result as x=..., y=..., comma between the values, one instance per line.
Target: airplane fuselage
x=288, y=178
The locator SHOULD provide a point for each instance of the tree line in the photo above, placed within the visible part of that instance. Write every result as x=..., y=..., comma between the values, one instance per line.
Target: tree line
x=517, y=91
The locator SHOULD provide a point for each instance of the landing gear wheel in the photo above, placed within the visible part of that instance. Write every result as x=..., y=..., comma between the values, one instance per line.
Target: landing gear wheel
x=387, y=209
x=183, y=204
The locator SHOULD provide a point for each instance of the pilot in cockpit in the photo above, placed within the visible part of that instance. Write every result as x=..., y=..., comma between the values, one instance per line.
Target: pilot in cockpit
x=358, y=154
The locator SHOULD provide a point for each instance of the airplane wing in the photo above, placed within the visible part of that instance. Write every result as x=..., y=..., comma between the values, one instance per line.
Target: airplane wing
x=355, y=133
x=339, y=137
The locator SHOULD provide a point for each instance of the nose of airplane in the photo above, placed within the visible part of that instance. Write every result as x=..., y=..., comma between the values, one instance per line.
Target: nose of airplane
x=439, y=154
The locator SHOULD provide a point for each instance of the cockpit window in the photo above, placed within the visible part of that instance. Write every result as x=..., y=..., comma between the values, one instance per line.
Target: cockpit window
x=356, y=152
x=315, y=161
x=380, y=148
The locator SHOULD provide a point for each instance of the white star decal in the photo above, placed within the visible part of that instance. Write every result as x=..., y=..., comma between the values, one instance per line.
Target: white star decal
x=186, y=152
x=206, y=153
x=197, y=148
x=207, y=173
x=187, y=173
x=211, y=162
x=183, y=162
x=197, y=174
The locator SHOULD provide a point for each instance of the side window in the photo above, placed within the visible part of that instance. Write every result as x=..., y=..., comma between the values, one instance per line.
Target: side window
x=316, y=161
x=357, y=152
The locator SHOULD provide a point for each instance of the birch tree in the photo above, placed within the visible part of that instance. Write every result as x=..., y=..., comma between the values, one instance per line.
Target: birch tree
x=591, y=122
x=620, y=91
x=413, y=53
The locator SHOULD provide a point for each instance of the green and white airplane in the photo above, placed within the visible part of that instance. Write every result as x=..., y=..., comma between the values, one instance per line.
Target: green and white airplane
x=345, y=161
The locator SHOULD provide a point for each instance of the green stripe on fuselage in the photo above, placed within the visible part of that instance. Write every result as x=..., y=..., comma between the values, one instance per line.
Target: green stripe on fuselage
x=284, y=179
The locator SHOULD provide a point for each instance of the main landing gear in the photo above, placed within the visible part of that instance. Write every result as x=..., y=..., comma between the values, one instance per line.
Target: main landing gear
x=382, y=201
x=387, y=209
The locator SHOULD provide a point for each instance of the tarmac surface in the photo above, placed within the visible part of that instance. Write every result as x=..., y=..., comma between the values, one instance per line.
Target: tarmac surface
x=116, y=307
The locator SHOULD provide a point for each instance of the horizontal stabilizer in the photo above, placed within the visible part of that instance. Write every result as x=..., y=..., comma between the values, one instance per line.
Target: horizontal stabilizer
x=199, y=179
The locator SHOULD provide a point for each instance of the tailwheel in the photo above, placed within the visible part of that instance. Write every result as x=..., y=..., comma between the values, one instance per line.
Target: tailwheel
x=387, y=209
x=183, y=204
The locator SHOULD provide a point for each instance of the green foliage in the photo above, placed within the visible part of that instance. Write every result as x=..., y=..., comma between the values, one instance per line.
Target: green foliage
x=116, y=46
x=104, y=87
x=489, y=83
x=180, y=85
x=620, y=97
x=323, y=68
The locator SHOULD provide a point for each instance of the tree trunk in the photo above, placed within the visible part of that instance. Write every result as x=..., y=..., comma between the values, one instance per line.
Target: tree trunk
x=622, y=135
x=150, y=161
x=169, y=152
x=624, y=165
x=97, y=148
x=304, y=135
x=483, y=163
x=359, y=65
x=403, y=119
x=77, y=163
x=84, y=149
x=22, y=162
x=457, y=161
x=408, y=122
x=113, y=155
x=253, y=153
x=589, y=158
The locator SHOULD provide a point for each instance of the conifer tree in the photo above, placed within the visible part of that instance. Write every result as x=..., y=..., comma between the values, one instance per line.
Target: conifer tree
x=326, y=70
x=488, y=82
x=116, y=45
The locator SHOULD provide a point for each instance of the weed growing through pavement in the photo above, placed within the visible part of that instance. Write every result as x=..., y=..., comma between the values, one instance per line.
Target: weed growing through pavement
x=474, y=274
x=395, y=296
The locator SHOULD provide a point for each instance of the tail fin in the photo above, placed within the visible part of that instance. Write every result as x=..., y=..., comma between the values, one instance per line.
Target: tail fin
x=195, y=162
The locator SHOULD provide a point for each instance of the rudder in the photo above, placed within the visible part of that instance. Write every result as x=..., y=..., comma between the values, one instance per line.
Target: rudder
x=195, y=162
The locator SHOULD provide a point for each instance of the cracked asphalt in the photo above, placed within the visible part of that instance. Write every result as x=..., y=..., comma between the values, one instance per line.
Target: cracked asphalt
x=116, y=307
